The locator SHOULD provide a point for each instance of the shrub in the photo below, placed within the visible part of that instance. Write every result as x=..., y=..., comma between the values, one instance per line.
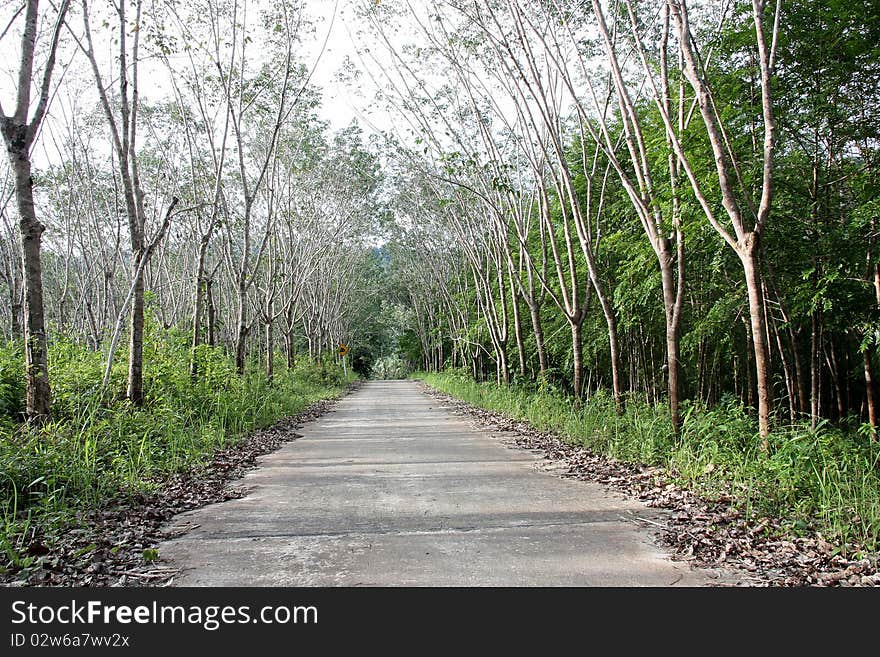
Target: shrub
x=390, y=367
x=12, y=402
x=99, y=446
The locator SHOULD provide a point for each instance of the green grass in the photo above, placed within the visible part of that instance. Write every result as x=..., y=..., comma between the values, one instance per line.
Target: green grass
x=827, y=480
x=101, y=448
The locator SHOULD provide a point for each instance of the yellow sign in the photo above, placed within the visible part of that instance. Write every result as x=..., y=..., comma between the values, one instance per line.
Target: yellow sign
x=343, y=349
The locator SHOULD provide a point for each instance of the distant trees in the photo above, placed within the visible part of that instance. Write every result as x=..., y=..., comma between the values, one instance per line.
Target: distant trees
x=189, y=185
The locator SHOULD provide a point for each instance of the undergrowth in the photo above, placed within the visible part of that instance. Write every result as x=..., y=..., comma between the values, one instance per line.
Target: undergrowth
x=825, y=480
x=99, y=447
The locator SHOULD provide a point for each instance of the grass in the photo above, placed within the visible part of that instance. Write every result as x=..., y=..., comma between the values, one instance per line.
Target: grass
x=825, y=480
x=102, y=448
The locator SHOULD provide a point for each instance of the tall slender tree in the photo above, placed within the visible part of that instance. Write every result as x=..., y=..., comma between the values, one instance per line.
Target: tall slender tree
x=20, y=130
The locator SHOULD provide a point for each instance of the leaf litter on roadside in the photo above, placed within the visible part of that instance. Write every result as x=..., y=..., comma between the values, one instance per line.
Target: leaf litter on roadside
x=758, y=551
x=117, y=545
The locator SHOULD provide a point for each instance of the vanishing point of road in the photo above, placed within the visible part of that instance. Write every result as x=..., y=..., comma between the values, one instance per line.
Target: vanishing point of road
x=392, y=489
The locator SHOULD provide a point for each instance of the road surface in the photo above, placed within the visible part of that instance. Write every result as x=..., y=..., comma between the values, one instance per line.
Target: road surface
x=391, y=489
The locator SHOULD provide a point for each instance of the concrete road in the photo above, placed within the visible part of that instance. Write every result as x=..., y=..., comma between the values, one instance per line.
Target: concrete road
x=390, y=489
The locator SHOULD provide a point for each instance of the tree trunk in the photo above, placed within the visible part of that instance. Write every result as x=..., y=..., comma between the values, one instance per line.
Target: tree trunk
x=241, y=329
x=19, y=135
x=701, y=367
x=869, y=392
x=503, y=366
x=241, y=337
x=212, y=313
x=517, y=332
x=790, y=383
x=815, y=383
x=196, y=326
x=135, y=392
x=673, y=320
x=289, y=349
x=614, y=349
x=537, y=329
x=752, y=268
x=37, y=392
x=838, y=379
x=198, y=309
x=15, y=306
x=270, y=352
x=750, y=397
x=800, y=375
x=871, y=397
x=577, y=355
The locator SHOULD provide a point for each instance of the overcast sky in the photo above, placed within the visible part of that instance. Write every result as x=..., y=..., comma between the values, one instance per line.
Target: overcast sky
x=325, y=50
x=341, y=104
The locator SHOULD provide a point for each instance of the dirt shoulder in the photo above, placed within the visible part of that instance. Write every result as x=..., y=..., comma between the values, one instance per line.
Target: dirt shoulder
x=116, y=544
x=706, y=533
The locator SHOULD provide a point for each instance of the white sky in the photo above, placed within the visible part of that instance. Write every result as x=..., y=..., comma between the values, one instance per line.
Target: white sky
x=334, y=20
x=339, y=104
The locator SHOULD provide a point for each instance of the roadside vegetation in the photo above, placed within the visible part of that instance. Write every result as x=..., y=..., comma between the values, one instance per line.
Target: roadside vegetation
x=100, y=448
x=390, y=367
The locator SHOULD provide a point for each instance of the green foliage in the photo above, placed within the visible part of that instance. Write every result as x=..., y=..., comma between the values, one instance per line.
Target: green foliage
x=826, y=480
x=377, y=314
x=390, y=367
x=11, y=383
x=98, y=449
x=324, y=374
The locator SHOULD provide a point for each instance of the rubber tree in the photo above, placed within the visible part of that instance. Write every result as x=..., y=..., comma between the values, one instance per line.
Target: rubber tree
x=20, y=131
x=749, y=223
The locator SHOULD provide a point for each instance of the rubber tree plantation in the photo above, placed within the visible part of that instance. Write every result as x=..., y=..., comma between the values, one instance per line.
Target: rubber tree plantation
x=648, y=226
